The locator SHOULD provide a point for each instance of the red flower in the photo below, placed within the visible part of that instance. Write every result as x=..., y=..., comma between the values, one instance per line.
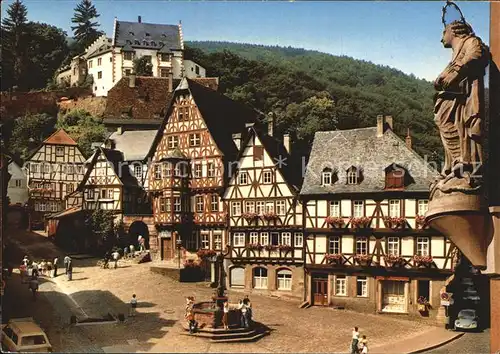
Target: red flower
x=361, y=222
x=255, y=246
x=422, y=260
x=335, y=221
x=394, y=222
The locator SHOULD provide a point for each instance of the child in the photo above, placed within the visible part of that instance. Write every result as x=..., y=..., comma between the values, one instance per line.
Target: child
x=225, y=315
x=191, y=322
x=133, y=306
x=364, y=345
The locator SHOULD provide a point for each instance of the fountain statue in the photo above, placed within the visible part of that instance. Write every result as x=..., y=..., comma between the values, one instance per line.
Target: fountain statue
x=457, y=206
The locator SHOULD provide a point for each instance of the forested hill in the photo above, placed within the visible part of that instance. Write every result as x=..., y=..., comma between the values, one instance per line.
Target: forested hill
x=310, y=90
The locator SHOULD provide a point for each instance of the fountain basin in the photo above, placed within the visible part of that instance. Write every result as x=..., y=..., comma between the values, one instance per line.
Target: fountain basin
x=208, y=315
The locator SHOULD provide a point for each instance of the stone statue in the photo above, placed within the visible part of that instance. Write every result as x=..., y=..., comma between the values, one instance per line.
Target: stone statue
x=459, y=109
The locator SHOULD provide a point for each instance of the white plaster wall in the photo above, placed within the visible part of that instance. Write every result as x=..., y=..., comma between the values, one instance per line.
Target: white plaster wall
x=100, y=87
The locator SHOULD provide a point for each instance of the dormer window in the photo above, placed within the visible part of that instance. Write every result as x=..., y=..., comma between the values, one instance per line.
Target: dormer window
x=136, y=42
x=396, y=177
x=131, y=33
x=353, y=175
x=326, y=177
x=161, y=44
x=148, y=34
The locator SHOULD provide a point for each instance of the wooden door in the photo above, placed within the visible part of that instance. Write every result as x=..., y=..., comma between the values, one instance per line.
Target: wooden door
x=167, y=249
x=320, y=291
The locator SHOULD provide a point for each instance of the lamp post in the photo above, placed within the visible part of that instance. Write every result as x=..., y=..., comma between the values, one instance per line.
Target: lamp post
x=178, y=245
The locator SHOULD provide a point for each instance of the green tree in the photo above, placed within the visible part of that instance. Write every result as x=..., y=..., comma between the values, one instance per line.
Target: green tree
x=100, y=223
x=143, y=67
x=29, y=132
x=14, y=45
x=83, y=127
x=85, y=30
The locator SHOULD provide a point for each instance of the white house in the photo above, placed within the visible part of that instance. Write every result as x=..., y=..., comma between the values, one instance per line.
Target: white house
x=17, y=190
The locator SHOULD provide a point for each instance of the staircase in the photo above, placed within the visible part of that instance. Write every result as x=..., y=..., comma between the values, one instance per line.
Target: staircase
x=231, y=335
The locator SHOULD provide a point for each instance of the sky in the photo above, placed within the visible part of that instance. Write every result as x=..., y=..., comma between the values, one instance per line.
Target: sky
x=405, y=35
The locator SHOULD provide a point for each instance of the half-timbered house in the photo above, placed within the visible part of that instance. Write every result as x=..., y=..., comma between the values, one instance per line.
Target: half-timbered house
x=265, y=216
x=365, y=194
x=54, y=170
x=188, y=172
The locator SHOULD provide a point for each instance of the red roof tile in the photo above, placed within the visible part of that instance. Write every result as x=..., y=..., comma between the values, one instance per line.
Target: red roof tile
x=60, y=137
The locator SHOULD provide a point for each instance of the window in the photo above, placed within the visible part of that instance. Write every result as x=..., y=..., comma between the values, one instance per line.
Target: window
x=358, y=209
x=280, y=207
x=128, y=72
x=179, y=169
x=361, y=287
x=422, y=207
x=183, y=114
x=352, y=175
x=326, y=177
x=138, y=172
x=299, y=239
x=164, y=72
x=90, y=194
x=242, y=178
x=33, y=340
x=197, y=70
x=340, y=285
x=70, y=169
x=90, y=64
x=260, y=278
x=99, y=74
x=167, y=169
x=53, y=206
x=284, y=279
x=165, y=57
x=198, y=170
x=34, y=167
x=199, y=204
x=157, y=171
x=103, y=194
x=236, y=208
x=259, y=207
x=162, y=204
x=214, y=202
x=59, y=151
x=335, y=208
x=286, y=238
x=237, y=277
x=43, y=207
x=254, y=237
x=205, y=240
x=148, y=57
x=395, y=177
x=422, y=246
x=128, y=55
x=250, y=207
x=270, y=207
x=361, y=245
x=394, y=208
x=393, y=246
x=71, y=188
x=217, y=241
x=210, y=169
x=194, y=139
x=239, y=239
x=177, y=204
x=19, y=183
x=99, y=61
x=168, y=205
x=173, y=141
x=258, y=153
x=275, y=238
x=334, y=245
x=264, y=238
x=46, y=168
x=268, y=177
x=10, y=333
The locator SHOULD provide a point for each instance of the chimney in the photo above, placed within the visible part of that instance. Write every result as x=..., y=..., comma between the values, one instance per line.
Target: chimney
x=139, y=19
x=408, y=139
x=237, y=140
x=170, y=81
x=119, y=130
x=131, y=80
x=286, y=142
x=388, y=120
x=380, y=125
x=270, y=123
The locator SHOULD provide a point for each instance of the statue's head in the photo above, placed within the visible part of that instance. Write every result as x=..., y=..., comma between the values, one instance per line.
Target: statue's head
x=456, y=29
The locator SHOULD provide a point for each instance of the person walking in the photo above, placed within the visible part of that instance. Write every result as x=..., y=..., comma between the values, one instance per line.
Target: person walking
x=249, y=313
x=26, y=261
x=66, y=261
x=43, y=267
x=225, y=315
x=69, y=270
x=33, y=286
x=55, y=264
x=355, y=341
x=243, y=309
x=116, y=255
x=133, y=306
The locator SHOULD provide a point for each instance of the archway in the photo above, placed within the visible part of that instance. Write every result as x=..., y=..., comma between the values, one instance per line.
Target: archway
x=138, y=228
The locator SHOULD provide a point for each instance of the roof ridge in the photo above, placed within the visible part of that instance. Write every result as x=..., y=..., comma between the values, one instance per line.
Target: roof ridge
x=344, y=130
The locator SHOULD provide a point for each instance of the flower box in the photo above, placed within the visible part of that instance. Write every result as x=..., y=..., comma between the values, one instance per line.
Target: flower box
x=363, y=222
x=250, y=217
x=205, y=254
x=334, y=258
x=393, y=261
x=335, y=221
x=270, y=248
x=285, y=248
x=395, y=223
x=363, y=259
x=423, y=260
x=254, y=247
x=423, y=304
x=269, y=216
x=420, y=222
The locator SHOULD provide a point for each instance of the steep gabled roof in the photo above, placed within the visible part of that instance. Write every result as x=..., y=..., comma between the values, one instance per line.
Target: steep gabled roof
x=339, y=150
x=222, y=116
x=147, y=35
x=60, y=137
x=134, y=144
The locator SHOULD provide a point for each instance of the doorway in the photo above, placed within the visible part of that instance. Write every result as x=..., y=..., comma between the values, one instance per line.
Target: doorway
x=320, y=290
x=423, y=289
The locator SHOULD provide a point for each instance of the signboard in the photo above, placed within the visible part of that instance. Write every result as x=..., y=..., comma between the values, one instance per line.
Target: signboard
x=446, y=299
x=165, y=234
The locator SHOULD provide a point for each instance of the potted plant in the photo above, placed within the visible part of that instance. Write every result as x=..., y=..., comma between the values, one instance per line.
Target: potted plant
x=362, y=222
x=393, y=260
x=250, y=217
x=363, y=259
x=269, y=216
x=423, y=304
x=270, y=248
x=420, y=222
x=394, y=222
x=335, y=221
x=254, y=247
x=285, y=248
x=334, y=258
x=422, y=260
x=205, y=254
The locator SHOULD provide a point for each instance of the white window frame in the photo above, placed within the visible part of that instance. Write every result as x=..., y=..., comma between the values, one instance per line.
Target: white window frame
x=269, y=207
x=43, y=206
x=46, y=167
x=284, y=279
x=34, y=167
x=281, y=207
x=138, y=172
x=264, y=238
x=59, y=151
x=352, y=176
x=210, y=169
x=362, y=284
x=254, y=237
x=260, y=207
x=217, y=241
x=236, y=208
x=200, y=203
x=238, y=239
x=205, y=240
x=423, y=246
x=111, y=194
x=198, y=170
x=157, y=171
x=243, y=178
x=194, y=139
x=267, y=177
x=334, y=244
x=393, y=246
x=259, y=280
x=90, y=194
x=340, y=285
x=167, y=169
x=334, y=209
x=249, y=207
x=177, y=204
x=326, y=178
x=358, y=208
x=37, y=206
x=173, y=141
x=18, y=183
x=422, y=206
x=214, y=202
x=395, y=208
x=53, y=206
x=299, y=239
x=362, y=245
x=286, y=238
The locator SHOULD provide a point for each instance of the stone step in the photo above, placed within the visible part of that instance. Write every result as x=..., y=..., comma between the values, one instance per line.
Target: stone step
x=218, y=330
x=219, y=336
x=240, y=340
